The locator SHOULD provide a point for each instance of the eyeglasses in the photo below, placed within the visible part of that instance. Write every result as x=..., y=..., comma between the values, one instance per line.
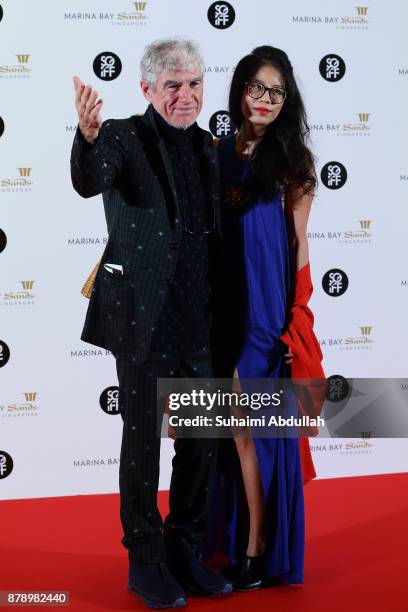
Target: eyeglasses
x=256, y=90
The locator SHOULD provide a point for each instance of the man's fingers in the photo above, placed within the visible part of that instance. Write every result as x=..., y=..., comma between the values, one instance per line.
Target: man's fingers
x=79, y=88
x=95, y=115
x=85, y=96
x=91, y=101
x=92, y=109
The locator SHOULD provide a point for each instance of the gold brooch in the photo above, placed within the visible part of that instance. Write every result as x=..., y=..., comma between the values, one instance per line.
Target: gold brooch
x=235, y=198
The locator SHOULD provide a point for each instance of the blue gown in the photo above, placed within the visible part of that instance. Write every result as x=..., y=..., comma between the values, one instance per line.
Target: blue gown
x=256, y=281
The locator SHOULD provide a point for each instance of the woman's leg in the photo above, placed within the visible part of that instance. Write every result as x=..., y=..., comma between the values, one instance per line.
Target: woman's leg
x=253, y=486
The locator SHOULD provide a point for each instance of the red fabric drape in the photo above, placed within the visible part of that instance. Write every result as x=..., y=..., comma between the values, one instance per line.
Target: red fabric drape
x=307, y=358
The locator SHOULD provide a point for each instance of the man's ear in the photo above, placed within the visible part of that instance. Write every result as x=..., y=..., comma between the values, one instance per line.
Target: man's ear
x=146, y=90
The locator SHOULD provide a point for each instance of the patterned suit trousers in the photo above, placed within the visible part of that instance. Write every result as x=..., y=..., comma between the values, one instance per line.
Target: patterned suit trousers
x=140, y=458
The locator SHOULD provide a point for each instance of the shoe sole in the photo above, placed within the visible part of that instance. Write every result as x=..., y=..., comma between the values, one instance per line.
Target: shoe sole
x=195, y=590
x=254, y=588
x=177, y=603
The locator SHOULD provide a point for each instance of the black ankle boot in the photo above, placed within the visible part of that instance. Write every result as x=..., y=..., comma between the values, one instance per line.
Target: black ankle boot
x=187, y=566
x=251, y=574
x=155, y=586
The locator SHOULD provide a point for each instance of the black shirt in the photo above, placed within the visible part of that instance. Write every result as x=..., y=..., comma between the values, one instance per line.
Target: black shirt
x=184, y=322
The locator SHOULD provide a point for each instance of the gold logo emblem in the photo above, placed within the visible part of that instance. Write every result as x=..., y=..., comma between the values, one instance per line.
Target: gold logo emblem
x=30, y=396
x=140, y=6
x=22, y=59
x=366, y=331
x=27, y=285
x=366, y=434
x=363, y=116
x=361, y=10
x=24, y=171
x=365, y=223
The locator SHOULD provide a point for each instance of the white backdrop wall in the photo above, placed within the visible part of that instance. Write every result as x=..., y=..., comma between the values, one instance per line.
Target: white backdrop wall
x=55, y=439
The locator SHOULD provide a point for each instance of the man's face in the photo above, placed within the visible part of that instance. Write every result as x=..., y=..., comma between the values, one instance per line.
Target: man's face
x=177, y=96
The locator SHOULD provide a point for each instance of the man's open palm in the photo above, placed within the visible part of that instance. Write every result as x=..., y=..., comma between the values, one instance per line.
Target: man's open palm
x=89, y=110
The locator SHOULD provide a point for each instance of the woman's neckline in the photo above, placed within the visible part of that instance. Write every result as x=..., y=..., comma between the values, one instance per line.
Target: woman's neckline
x=240, y=156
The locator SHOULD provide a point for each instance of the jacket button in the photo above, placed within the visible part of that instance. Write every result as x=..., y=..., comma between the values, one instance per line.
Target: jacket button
x=174, y=245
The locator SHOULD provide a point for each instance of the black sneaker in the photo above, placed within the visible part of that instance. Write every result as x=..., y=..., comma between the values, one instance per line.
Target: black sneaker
x=155, y=585
x=186, y=564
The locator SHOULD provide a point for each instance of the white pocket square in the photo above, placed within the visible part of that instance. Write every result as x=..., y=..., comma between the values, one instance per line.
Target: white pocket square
x=113, y=268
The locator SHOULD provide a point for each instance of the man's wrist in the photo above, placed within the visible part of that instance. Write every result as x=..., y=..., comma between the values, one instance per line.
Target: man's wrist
x=86, y=144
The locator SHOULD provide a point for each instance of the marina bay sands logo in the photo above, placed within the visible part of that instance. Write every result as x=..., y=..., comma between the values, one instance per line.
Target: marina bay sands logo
x=24, y=171
x=363, y=340
x=107, y=66
x=359, y=127
x=332, y=67
x=22, y=297
x=136, y=16
x=335, y=282
x=362, y=235
x=221, y=124
x=358, y=235
x=221, y=15
x=333, y=175
x=18, y=70
x=21, y=183
x=25, y=408
x=6, y=464
x=360, y=17
x=354, y=21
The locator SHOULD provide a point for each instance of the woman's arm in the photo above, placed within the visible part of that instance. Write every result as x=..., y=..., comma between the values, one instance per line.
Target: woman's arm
x=297, y=210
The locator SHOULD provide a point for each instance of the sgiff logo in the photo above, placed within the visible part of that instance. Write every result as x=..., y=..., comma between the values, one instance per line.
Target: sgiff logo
x=109, y=400
x=4, y=353
x=6, y=464
x=221, y=15
x=332, y=68
x=107, y=66
x=221, y=124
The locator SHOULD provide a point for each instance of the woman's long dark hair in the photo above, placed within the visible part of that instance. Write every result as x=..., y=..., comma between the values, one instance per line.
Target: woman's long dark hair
x=282, y=157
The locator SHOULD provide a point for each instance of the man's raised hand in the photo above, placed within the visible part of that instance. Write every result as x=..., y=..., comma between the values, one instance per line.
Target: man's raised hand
x=89, y=110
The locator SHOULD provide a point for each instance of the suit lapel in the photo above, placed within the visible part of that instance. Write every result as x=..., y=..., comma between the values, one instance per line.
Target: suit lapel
x=156, y=153
x=210, y=170
x=159, y=160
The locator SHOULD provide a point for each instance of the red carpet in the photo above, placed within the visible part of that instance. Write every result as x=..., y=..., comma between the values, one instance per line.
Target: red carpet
x=356, y=554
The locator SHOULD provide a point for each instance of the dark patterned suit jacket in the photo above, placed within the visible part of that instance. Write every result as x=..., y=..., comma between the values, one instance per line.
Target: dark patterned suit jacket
x=129, y=165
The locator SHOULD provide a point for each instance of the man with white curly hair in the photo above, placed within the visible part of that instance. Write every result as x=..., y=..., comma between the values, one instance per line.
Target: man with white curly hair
x=149, y=303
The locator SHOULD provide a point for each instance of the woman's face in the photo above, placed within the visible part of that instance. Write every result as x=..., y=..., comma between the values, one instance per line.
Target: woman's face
x=261, y=112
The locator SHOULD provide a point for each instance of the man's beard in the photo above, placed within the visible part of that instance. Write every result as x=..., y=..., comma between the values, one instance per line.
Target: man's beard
x=184, y=126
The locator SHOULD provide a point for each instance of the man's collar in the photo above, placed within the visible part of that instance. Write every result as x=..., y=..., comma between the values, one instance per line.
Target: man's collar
x=170, y=132
x=203, y=137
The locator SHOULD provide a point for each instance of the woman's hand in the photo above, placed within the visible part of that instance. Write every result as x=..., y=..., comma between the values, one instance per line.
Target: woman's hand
x=289, y=356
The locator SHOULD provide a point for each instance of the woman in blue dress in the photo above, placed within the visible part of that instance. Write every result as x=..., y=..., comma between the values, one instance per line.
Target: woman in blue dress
x=268, y=180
